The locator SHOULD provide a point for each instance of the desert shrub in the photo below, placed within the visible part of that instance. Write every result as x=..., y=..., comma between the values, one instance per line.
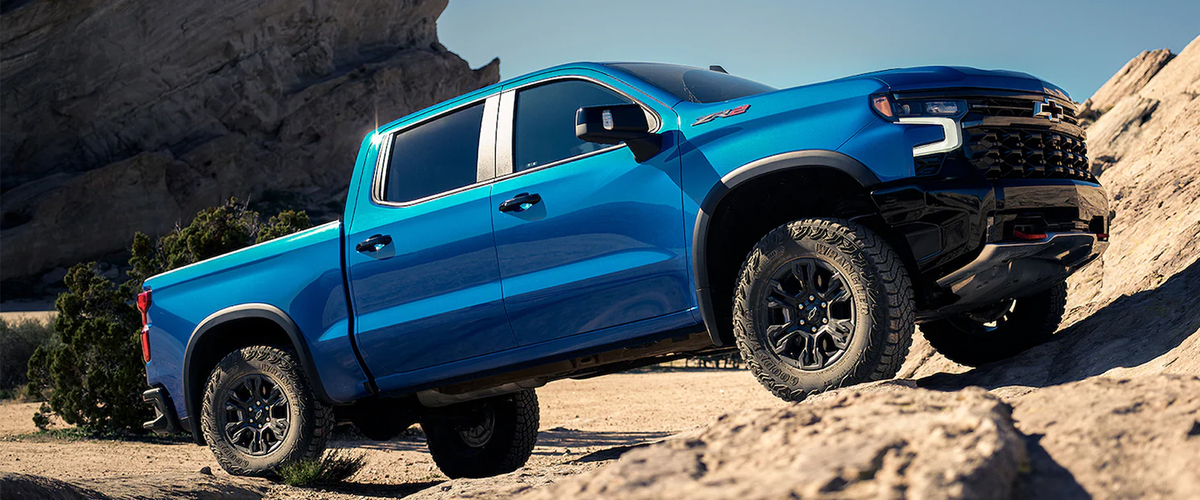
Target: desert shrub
x=336, y=466
x=213, y=232
x=94, y=378
x=18, y=340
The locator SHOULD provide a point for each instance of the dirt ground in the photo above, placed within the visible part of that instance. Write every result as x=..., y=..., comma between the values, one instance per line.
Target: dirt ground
x=584, y=424
x=15, y=311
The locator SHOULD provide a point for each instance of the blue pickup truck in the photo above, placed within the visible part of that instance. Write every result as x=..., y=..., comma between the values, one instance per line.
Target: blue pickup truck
x=596, y=217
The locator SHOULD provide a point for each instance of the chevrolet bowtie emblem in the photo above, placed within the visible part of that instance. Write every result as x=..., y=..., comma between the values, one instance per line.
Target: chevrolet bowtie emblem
x=1048, y=109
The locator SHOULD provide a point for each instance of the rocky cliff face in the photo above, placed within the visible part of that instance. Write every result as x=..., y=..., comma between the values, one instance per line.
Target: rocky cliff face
x=132, y=115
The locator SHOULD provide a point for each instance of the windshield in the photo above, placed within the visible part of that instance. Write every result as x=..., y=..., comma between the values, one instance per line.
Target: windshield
x=694, y=84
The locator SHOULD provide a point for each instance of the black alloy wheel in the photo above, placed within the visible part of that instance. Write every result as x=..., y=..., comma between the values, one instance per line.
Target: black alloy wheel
x=809, y=313
x=256, y=415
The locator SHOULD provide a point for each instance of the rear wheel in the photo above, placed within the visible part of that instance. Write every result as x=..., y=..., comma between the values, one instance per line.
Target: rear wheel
x=1001, y=330
x=820, y=304
x=258, y=412
x=483, y=438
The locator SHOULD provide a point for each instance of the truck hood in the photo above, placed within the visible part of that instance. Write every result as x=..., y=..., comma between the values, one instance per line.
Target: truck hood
x=945, y=77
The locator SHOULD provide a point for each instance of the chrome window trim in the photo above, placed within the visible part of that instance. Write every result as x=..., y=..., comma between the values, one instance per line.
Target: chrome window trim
x=504, y=133
x=483, y=166
x=505, y=128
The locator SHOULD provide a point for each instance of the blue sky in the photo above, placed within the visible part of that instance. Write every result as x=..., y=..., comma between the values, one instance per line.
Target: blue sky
x=1077, y=45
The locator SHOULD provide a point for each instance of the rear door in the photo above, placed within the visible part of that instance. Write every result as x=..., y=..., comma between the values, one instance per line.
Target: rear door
x=422, y=261
x=603, y=244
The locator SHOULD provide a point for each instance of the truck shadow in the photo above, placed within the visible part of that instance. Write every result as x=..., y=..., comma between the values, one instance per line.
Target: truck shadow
x=371, y=490
x=560, y=437
x=553, y=441
x=1130, y=332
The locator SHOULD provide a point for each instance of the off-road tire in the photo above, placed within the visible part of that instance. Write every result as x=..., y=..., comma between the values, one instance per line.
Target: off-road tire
x=882, y=299
x=1031, y=322
x=509, y=447
x=310, y=421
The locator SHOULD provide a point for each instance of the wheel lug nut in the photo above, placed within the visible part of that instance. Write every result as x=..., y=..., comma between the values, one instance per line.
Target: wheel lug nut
x=814, y=329
x=823, y=304
x=801, y=322
x=824, y=320
x=811, y=297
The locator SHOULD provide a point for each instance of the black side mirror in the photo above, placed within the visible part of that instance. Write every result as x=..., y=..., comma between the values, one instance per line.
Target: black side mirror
x=616, y=124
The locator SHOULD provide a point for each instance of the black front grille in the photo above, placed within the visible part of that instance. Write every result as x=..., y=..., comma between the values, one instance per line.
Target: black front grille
x=1006, y=152
x=1018, y=107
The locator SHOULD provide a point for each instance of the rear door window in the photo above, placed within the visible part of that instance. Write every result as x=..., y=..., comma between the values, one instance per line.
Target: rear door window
x=435, y=157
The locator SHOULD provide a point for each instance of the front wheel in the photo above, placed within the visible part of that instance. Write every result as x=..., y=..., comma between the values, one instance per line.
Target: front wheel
x=259, y=413
x=483, y=438
x=999, y=331
x=821, y=304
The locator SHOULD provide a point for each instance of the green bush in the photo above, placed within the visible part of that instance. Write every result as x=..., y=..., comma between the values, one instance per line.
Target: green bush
x=94, y=378
x=213, y=232
x=333, y=468
x=18, y=341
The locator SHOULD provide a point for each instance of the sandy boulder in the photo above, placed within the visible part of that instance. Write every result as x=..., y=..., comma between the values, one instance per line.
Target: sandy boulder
x=888, y=440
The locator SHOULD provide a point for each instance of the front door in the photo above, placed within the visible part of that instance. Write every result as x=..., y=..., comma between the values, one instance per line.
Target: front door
x=422, y=261
x=598, y=238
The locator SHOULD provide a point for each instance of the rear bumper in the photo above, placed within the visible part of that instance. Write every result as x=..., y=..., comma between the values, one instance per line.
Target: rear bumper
x=164, y=421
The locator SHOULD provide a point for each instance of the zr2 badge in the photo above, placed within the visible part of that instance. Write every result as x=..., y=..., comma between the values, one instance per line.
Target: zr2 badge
x=721, y=114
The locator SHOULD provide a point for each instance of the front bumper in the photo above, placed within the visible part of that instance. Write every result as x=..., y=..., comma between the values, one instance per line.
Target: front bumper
x=1006, y=270
x=164, y=421
x=964, y=236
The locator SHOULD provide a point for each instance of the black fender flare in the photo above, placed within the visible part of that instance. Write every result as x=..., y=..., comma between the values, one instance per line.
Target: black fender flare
x=242, y=311
x=803, y=159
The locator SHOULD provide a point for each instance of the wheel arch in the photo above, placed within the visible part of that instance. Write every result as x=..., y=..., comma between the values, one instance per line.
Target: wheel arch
x=230, y=329
x=709, y=260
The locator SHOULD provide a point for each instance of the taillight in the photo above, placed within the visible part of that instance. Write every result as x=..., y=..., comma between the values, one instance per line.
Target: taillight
x=143, y=305
x=146, y=343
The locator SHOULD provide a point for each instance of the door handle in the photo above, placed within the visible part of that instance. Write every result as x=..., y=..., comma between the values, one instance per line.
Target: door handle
x=374, y=243
x=520, y=202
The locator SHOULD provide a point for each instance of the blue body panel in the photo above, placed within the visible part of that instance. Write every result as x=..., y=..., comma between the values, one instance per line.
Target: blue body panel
x=604, y=260
x=433, y=296
x=605, y=246
x=290, y=273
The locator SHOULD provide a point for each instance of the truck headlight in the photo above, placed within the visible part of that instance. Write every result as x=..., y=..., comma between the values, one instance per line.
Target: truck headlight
x=891, y=109
x=941, y=108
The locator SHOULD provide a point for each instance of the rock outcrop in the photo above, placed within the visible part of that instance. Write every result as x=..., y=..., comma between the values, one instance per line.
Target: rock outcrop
x=1136, y=73
x=131, y=116
x=1096, y=438
x=880, y=441
x=1113, y=438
